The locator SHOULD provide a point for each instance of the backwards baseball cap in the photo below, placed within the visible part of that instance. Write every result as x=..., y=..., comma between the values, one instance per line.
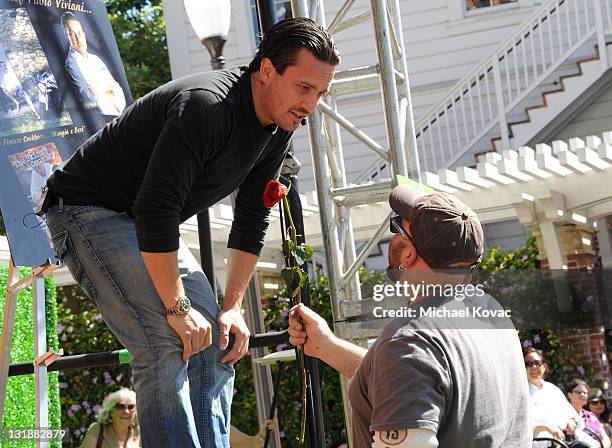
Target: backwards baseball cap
x=445, y=232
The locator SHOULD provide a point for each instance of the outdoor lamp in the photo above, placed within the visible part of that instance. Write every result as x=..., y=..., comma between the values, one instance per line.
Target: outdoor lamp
x=210, y=20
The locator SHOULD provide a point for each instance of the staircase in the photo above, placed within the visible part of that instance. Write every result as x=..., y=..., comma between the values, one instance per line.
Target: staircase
x=525, y=87
x=572, y=91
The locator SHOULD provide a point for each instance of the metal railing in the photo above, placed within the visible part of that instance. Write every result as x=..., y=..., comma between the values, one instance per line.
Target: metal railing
x=476, y=109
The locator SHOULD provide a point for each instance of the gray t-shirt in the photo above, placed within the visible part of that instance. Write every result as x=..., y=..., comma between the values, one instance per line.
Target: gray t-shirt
x=463, y=379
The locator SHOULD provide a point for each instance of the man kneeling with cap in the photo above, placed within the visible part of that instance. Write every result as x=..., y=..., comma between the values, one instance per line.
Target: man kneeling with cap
x=429, y=382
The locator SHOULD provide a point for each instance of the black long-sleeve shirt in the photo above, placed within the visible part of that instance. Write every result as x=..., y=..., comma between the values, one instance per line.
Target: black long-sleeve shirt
x=177, y=151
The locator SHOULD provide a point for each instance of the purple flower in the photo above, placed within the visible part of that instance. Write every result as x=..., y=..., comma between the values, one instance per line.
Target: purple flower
x=60, y=328
x=88, y=411
x=536, y=339
x=97, y=408
x=85, y=404
x=75, y=407
x=83, y=429
x=281, y=434
x=63, y=338
x=235, y=392
x=63, y=385
x=527, y=343
x=581, y=370
x=70, y=413
x=281, y=347
x=108, y=379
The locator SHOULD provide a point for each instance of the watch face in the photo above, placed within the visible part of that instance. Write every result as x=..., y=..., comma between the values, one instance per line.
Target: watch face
x=184, y=305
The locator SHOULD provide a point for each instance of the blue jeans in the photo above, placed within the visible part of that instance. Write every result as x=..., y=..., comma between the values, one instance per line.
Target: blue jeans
x=179, y=404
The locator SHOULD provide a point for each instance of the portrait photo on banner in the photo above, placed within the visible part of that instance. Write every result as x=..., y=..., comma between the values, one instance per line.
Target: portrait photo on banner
x=61, y=80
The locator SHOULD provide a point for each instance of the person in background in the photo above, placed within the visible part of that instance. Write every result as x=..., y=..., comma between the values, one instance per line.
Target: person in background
x=117, y=423
x=577, y=393
x=598, y=405
x=238, y=439
x=551, y=414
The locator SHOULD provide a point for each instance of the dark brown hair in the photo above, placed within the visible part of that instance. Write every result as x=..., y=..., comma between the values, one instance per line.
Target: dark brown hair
x=573, y=384
x=530, y=350
x=286, y=38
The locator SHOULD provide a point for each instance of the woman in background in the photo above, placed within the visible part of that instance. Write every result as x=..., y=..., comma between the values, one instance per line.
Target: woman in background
x=551, y=414
x=117, y=423
x=597, y=405
x=577, y=393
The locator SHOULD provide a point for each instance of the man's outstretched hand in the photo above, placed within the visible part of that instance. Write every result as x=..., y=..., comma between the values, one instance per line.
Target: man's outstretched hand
x=312, y=333
x=231, y=321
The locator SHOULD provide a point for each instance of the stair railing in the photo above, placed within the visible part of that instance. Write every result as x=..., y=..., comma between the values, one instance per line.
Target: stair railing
x=481, y=101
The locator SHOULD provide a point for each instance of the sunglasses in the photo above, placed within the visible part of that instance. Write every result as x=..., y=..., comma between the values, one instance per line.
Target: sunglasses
x=124, y=407
x=395, y=226
x=580, y=392
x=534, y=363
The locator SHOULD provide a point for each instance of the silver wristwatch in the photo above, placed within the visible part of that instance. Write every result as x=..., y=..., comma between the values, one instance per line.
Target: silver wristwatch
x=182, y=307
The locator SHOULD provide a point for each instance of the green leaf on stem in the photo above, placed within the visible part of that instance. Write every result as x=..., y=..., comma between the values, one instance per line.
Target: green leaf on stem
x=288, y=247
x=291, y=279
x=302, y=253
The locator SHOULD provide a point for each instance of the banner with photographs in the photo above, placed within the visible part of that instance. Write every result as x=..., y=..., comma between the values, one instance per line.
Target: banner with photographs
x=61, y=79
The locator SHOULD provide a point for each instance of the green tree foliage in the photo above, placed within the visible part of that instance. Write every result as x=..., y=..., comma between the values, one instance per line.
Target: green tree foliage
x=141, y=36
x=19, y=406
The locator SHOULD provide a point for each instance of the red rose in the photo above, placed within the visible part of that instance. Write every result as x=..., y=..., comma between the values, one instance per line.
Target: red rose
x=275, y=191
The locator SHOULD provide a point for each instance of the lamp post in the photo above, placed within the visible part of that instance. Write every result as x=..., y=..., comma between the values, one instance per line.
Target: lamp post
x=210, y=20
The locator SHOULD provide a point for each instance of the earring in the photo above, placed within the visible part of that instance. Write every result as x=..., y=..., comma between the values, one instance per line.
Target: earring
x=401, y=267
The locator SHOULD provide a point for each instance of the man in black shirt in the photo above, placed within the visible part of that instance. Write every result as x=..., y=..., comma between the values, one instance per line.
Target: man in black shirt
x=119, y=200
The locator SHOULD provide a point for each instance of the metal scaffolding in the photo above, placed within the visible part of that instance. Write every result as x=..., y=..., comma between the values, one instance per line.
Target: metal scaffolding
x=336, y=196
